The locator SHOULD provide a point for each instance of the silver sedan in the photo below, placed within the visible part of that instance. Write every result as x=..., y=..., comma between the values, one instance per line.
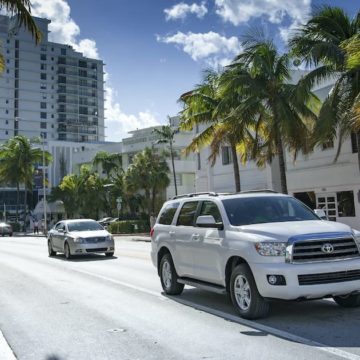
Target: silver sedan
x=80, y=237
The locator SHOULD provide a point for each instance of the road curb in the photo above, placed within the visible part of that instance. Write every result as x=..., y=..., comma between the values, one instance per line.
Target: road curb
x=5, y=350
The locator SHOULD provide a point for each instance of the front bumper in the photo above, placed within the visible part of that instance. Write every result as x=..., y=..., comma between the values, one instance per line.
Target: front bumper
x=292, y=290
x=84, y=248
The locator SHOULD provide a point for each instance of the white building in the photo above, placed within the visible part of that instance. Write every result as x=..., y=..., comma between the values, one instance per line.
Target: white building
x=51, y=91
x=315, y=178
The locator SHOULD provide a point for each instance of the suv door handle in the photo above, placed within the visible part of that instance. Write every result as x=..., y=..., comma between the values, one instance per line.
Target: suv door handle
x=196, y=237
x=171, y=233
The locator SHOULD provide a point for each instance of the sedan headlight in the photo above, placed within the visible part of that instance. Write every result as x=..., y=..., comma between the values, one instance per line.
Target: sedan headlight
x=271, y=248
x=79, y=240
x=109, y=238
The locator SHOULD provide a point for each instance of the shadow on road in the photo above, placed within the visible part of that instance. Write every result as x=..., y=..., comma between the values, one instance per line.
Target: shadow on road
x=321, y=321
x=82, y=258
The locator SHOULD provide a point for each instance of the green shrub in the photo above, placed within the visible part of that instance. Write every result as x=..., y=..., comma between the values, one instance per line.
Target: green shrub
x=129, y=227
x=15, y=226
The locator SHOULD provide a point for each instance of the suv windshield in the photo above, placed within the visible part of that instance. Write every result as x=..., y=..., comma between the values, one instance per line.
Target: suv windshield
x=266, y=209
x=84, y=226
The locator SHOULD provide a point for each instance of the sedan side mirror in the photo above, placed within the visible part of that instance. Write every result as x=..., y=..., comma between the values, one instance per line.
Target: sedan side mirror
x=208, y=221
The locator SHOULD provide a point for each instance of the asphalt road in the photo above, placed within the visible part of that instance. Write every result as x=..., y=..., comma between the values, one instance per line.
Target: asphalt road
x=113, y=308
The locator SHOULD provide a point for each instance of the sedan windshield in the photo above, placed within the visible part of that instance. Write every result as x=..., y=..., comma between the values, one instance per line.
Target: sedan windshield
x=269, y=209
x=84, y=226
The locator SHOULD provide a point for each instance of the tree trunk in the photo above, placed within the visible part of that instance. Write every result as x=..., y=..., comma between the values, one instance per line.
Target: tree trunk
x=25, y=206
x=153, y=198
x=17, y=201
x=148, y=201
x=236, y=168
x=280, y=152
x=358, y=147
x=173, y=167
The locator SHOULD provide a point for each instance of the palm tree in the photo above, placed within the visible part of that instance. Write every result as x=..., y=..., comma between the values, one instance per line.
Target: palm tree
x=330, y=42
x=108, y=162
x=19, y=157
x=22, y=10
x=281, y=110
x=166, y=135
x=148, y=172
x=211, y=105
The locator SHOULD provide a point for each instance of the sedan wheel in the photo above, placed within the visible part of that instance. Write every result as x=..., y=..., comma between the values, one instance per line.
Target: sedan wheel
x=50, y=248
x=67, y=251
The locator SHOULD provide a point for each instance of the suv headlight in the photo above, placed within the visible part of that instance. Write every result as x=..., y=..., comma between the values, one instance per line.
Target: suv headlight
x=79, y=240
x=356, y=234
x=271, y=248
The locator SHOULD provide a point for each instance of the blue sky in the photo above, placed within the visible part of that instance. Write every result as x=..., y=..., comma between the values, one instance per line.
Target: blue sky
x=155, y=50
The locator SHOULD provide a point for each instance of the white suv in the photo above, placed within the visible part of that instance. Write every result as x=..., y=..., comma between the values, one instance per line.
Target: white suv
x=256, y=246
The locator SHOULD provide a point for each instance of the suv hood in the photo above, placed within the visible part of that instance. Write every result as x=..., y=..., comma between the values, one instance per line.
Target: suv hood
x=283, y=231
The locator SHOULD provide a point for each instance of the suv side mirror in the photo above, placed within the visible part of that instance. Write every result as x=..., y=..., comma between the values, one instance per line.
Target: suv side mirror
x=321, y=214
x=208, y=221
x=61, y=230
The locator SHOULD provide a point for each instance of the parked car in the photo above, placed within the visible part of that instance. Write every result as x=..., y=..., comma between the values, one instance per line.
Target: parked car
x=256, y=246
x=105, y=221
x=6, y=229
x=79, y=237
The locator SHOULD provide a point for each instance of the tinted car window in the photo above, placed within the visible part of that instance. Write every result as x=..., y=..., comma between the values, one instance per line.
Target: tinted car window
x=187, y=213
x=168, y=213
x=210, y=208
x=256, y=210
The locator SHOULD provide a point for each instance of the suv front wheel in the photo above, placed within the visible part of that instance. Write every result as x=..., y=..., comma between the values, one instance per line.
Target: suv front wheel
x=169, y=277
x=244, y=294
x=348, y=300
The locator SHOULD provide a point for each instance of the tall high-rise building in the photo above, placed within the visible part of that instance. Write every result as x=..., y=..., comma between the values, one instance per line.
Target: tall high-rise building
x=48, y=89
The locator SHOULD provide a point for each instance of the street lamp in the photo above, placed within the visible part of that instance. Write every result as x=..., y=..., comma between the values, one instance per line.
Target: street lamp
x=42, y=135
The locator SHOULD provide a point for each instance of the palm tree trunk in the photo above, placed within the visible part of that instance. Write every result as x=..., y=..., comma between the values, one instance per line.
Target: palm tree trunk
x=25, y=206
x=236, y=168
x=148, y=201
x=280, y=152
x=17, y=201
x=153, y=197
x=173, y=167
x=358, y=147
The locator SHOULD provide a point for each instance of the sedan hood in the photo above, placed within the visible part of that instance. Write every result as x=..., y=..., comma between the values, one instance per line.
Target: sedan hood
x=283, y=231
x=89, y=234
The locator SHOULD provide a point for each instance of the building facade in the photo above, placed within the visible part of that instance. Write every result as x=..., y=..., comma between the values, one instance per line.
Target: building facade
x=48, y=89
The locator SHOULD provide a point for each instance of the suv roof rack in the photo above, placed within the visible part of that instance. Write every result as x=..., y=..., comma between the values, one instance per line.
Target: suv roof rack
x=210, y=193
x=258, y=191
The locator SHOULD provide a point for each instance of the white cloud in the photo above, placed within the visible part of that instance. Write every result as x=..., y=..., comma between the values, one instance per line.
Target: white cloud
x=65, y=30
x=211, y=47
x=181, y=10
x=241, y=11
x=120, y=123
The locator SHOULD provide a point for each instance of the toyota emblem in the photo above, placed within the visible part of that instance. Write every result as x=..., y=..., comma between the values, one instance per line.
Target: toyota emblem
x=327, y=248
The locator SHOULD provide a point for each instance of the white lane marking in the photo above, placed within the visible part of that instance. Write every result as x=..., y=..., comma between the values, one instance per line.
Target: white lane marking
x=268, y=329
x=5, y=350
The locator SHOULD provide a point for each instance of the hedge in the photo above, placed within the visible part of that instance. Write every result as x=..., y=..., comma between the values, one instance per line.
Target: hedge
x=129, y=227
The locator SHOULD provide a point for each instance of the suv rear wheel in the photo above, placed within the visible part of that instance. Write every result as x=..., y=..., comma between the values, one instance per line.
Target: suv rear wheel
x=169, y=277
x=245, y=296
x=348, y=300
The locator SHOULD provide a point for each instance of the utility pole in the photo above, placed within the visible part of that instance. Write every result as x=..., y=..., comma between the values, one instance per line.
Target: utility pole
x=44, y=185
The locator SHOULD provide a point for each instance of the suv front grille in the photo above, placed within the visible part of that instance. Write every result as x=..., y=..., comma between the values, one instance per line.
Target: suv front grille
x=309, y=251
x=328, y=278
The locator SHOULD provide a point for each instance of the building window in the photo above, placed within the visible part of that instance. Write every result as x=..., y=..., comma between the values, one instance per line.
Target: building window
x=43, y=86
x=345, y=204
x=43, y=105
x=42, y=66
x=354, y=145
x=43, y=125
x=6, y=111
x=43, y=47
x=44, y=96
x=43, y=115
x=43, y=57
x=83, y=73
x=226, y=155
x=6, y=132
x=63, y=51
x=6, y=122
